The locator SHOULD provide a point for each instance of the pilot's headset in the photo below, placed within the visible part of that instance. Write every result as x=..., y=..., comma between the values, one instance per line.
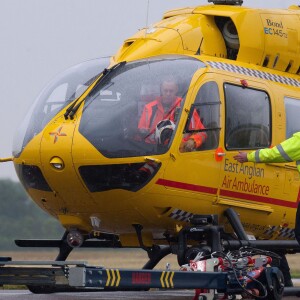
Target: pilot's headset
x=163, y=132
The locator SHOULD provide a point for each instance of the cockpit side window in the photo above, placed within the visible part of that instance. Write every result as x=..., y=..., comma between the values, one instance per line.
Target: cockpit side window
x=207, y=108
x=248, y=118
x=292, y=112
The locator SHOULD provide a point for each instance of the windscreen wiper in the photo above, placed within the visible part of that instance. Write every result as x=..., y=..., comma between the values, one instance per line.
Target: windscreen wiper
x=72, y=109
x=68, y=110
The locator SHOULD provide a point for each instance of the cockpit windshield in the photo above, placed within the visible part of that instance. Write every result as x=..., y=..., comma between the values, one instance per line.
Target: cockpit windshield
x=134, y=110
x=62, y=90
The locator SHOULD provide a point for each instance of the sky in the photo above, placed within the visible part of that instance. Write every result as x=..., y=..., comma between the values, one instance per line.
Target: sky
x=41, y=38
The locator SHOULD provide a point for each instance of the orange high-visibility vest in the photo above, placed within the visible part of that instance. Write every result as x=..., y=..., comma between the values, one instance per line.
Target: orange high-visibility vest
x=154, y=112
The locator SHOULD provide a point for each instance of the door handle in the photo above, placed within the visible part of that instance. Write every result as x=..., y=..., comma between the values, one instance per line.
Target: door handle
x=220, y=154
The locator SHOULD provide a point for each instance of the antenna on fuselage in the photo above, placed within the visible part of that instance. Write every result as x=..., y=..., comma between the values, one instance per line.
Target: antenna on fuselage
x=147, y=17
x=227, y=2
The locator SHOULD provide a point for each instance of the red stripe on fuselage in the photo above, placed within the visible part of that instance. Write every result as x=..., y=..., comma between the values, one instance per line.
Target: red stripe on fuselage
x=226, y=193
x=187, y=186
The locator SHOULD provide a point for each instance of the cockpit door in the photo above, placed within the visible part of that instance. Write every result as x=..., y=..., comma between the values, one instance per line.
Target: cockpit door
x=197, y=172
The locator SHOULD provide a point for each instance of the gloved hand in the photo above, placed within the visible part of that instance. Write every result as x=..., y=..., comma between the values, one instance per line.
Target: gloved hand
x=189, y=146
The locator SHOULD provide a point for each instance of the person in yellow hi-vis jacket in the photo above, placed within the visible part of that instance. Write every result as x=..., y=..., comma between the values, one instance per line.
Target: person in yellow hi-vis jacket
x=287, y=151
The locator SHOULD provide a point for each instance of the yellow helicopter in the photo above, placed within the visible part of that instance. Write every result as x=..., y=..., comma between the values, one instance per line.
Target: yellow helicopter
x=82, y=157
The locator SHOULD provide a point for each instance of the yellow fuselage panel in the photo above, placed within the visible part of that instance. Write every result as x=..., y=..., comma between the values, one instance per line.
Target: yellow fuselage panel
x=186, y=34
x=273, y=42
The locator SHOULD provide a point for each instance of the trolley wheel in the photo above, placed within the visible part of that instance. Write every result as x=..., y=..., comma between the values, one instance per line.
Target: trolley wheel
x=274, y=282
x=276, y=290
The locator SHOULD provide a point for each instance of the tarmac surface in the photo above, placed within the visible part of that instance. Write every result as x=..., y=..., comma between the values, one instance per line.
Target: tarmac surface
x=27, y=295
x=164, y=295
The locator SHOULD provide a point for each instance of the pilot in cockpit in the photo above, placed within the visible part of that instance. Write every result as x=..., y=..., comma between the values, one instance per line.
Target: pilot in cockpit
x=161, y=115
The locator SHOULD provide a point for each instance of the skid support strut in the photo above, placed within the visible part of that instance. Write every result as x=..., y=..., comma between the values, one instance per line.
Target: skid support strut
x=155, y=253
x=64, y=248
